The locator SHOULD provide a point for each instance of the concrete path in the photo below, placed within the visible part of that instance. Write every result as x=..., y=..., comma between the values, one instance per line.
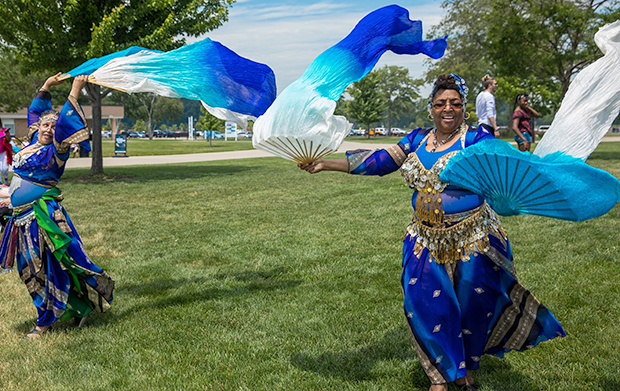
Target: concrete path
x=213, y=156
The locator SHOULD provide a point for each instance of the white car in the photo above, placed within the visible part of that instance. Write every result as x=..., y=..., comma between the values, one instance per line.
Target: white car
x=397, y=131
x=106, y=134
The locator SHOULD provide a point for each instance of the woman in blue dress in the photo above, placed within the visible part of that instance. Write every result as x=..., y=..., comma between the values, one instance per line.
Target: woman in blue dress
x=462, y=298
x=40, y=239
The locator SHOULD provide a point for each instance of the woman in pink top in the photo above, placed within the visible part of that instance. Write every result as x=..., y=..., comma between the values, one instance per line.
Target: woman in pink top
x=522, y=122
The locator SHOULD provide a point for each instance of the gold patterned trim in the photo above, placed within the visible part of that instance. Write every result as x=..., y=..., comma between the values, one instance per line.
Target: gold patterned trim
x=75, y=138
x=77, y=108
x=23, y=220
x=518, y=338
x=431, y=370
x=508, y=317
x=61, y=220
x=357, y=157
x=459, y=241
x=397, y=154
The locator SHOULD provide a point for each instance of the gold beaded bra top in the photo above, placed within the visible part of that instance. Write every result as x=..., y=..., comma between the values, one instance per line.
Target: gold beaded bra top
x=428, y=206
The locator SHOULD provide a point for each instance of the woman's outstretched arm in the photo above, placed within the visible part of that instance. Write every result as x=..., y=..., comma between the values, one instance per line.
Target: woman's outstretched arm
x=325, y=165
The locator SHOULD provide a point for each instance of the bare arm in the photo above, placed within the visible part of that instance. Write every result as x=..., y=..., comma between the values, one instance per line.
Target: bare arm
x=533, y=112
x=515, y=127
x=494, y=125
x=51, y=81
x=326, y=165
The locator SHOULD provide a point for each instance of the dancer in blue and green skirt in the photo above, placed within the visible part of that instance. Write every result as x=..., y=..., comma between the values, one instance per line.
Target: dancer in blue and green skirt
x=40, y=239
x=462, y=298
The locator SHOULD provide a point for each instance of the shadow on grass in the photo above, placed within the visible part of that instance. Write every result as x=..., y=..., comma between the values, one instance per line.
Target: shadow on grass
x=161, y=296
x=358, y=365
x=498, y=374
x=165, y=172
x=604, y=155
x=610, y=384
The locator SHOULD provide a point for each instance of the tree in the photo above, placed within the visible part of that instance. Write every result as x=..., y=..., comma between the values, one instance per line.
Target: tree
x=139, y=126
x=534, y=46
x=400, y=90
x=209, y=123
x=170, y=109
x=17, y=87
x=149, y=107
x=368, y=104
x=59, y=35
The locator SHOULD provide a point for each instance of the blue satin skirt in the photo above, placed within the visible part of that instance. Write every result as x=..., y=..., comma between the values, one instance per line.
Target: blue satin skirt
x=459, y=311
x=56, y=293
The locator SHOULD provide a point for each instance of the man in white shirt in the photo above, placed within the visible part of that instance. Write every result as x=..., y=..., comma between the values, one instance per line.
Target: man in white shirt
x=485, y=105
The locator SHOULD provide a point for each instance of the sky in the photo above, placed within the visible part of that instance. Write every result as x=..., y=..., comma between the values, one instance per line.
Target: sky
x=288, y=35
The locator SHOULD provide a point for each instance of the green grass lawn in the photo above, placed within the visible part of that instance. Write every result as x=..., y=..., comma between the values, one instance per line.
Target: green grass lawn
x=254, y=275
x=146, y=147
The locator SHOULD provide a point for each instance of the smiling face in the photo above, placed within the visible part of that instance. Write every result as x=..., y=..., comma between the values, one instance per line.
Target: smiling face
x=447, y=111
x=523, y=102
x=46, y=131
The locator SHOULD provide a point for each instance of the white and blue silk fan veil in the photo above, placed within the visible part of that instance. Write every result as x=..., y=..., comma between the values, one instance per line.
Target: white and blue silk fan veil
x=230, y=87
x=300, y=125
x=554, y=181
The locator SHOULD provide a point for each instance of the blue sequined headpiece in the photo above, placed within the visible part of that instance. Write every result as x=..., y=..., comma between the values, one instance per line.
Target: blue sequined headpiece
x=459, y=81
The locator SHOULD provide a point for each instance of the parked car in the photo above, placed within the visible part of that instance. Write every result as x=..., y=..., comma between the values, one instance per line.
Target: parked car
x=106, y=134
x=244, y=135
x=158, y=133
x=381, y=131
x=359, y=132
x=543, y=128
x=132, y=134
x=397, y=132
x=213, y=134
x=142, y=135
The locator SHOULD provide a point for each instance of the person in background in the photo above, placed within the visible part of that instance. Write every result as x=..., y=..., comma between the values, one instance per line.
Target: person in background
x=76, y=150
x=6, y=153
x=485, y=106
x=462, y=298
x=40, y=239
x=522, y=122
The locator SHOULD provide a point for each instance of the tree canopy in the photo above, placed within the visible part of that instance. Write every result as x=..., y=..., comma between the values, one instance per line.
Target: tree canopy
x=399, y=89
x=368, y=104
x=52, y=36
x=534, y=46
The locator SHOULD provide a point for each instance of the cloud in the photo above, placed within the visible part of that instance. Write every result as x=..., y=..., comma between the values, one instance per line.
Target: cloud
x=289, y=38
x=270, y=13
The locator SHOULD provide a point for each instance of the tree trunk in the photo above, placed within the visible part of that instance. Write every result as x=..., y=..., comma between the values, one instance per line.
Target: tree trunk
x=150, y=126
x=151, y=98
x=94, y=92
x=389, y=119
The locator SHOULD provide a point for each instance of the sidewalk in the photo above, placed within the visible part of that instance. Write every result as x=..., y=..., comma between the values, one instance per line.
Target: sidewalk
x=214, y=156
x=197, y=157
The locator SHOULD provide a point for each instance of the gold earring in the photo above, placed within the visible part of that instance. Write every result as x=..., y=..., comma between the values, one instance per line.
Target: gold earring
x=430, y=116
x=467, y=115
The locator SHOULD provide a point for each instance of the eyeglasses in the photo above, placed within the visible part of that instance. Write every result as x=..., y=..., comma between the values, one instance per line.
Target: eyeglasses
x=440, y=105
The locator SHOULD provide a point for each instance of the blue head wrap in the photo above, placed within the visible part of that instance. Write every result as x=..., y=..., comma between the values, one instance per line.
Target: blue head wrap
x=460, y=82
